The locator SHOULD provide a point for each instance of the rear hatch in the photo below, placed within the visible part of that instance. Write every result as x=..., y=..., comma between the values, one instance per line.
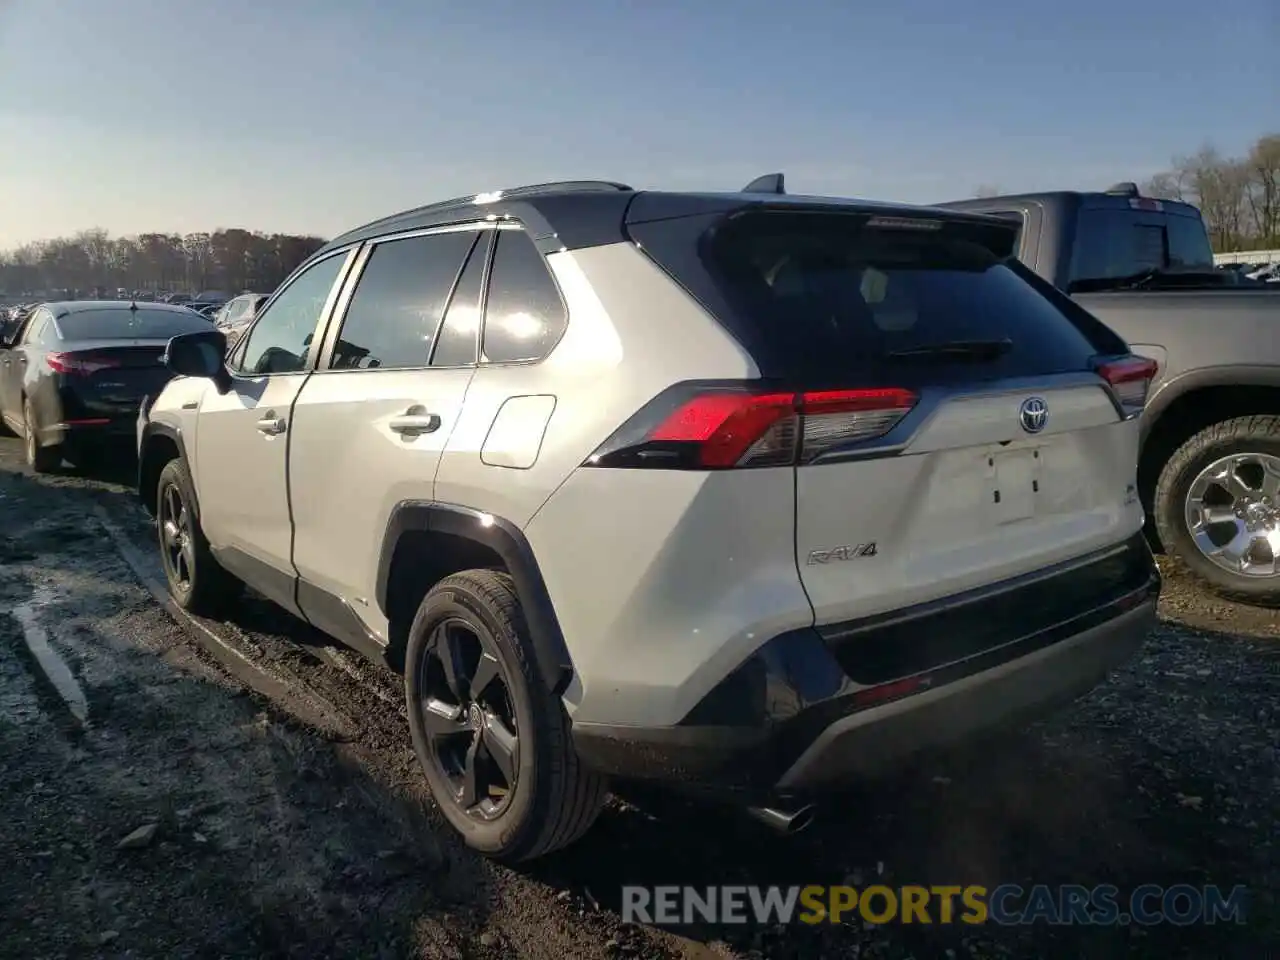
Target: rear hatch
x=949, y=415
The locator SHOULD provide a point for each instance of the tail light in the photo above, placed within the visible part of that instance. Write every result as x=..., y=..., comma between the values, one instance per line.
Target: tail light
x=722, y=426
x=1130, y=379
x=77, y=364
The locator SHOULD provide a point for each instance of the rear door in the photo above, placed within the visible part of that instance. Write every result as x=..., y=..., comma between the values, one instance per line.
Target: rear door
x=954, y=431
x=383, y=404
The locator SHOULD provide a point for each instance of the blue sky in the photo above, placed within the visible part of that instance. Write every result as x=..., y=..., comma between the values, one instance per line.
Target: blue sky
x=316, y=115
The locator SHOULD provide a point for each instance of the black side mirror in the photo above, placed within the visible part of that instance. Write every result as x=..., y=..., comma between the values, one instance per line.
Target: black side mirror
x=200, y=355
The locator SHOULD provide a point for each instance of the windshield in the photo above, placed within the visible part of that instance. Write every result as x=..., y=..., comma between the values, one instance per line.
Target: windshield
x=1117, y=243
x=140, y=324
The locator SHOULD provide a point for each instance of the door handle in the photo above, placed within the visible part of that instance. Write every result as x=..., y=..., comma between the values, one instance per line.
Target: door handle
x=414, y=422
x=271, y=425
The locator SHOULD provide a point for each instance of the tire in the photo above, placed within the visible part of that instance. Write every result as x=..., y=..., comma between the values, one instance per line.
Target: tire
x=554, y=799
x=1257, y=436
x=39, y=459
x=201, y=586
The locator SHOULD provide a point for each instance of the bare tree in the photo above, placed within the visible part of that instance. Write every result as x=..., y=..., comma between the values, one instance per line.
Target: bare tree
x=1263, y=191
x=1169, y=185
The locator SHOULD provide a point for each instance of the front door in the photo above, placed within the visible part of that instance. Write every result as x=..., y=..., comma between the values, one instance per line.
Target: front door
x=242, y=436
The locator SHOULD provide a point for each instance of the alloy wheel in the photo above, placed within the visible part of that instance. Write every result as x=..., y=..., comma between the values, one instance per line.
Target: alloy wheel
x=469, y=718
x=1233, y=514
x=177, y=546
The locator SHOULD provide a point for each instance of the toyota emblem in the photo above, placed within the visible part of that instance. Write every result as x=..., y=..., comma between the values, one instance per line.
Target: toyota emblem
x=1033, y=414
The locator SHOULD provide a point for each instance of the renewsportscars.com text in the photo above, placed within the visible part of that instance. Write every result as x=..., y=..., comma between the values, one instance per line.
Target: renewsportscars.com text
x=1006, y=905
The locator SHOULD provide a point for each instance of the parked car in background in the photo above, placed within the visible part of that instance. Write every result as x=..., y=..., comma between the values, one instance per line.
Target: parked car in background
x=740, y=492
x=73, y=375
x=234, y=317
x=1209, y=477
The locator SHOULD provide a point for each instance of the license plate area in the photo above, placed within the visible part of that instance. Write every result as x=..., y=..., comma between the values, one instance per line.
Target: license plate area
x=1015, y=487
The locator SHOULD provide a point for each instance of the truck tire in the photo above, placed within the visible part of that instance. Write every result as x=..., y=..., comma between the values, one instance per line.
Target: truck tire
x=492, y=740
x=1217, y=498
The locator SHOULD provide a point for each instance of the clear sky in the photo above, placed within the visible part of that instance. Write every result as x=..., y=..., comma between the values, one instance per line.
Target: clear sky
x=316, y=115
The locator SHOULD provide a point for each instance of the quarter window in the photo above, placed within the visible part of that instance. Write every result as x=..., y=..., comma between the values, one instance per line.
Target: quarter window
x=456, y=342
x=524, y=317
x=399, y=302
x=280, y=340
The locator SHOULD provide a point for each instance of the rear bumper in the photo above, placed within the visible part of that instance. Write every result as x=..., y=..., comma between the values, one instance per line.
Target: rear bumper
x=821, y=730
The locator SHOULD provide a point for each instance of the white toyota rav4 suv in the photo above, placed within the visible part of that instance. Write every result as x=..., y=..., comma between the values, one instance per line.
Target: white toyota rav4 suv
x=747, y=493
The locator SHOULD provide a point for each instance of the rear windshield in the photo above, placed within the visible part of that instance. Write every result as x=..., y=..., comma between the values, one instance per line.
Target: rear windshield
x=1118, y=242
x=832, y=295
x=140, y=324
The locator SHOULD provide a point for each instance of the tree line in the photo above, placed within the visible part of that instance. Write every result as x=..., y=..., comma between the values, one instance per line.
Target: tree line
x=95, y=263
x=1238, y=197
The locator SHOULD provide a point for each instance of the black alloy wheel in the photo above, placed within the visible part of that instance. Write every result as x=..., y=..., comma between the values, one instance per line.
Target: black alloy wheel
x=469, y=720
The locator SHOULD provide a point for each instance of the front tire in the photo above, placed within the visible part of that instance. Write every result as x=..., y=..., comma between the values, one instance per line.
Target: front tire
x=1217, y=508
x=39, y=458
x=493, y=741
x=196, y=581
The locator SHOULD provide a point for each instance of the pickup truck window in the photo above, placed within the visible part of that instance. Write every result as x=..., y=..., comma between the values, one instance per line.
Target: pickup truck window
x=1114, y=243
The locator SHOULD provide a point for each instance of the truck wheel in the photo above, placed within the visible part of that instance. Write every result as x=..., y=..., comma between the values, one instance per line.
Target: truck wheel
x=1217, y=508
x=197, y=583
x=492, y=739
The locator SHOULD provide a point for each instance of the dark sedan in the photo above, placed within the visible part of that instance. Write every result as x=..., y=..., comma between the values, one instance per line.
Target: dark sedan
x=73, y=374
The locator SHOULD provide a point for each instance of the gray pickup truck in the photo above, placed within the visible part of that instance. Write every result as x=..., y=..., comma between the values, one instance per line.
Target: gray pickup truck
x=1209, y=476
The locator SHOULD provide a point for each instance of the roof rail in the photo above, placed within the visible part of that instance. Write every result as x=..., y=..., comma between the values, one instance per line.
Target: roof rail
x=769, y=183
x=530, y=190
x=1125, y=188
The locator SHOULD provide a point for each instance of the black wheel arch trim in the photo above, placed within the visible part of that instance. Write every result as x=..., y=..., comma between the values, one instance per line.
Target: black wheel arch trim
x=152, y=429
x=1234, y=375
x=508, y=542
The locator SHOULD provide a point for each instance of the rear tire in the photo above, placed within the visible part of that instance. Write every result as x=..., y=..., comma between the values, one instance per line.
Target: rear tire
x=40, y=459
x=1255, y=441
x=552, y=799
x=196, y=581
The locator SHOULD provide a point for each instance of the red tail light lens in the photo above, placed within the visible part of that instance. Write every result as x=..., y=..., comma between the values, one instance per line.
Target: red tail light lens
x=722, y=427
x=77, y=364
x=1130, y=379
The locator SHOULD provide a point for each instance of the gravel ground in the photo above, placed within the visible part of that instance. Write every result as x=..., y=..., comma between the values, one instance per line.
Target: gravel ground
x=258, y=797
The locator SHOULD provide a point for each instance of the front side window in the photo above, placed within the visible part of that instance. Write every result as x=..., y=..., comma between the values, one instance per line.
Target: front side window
x=280, y=340
x=524, y=316
x=399, y=302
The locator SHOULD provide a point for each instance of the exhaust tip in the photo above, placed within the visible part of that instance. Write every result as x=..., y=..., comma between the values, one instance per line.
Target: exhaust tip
x=785, y=822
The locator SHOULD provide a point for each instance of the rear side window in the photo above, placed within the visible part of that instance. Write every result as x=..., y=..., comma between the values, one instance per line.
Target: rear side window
x=458, y=338
x=524, y=316
x=399, y=302
x=832, y=297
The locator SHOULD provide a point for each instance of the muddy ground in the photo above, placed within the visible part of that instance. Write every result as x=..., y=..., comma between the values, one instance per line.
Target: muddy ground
x=242, y=789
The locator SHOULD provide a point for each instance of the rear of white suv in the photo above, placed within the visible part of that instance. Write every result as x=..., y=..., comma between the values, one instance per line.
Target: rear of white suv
x=745, y=493
x=908, y=517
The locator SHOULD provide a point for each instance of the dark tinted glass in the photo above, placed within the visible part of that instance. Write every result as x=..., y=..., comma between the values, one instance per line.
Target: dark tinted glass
x=1188, y=243
x=280, y=339
x=524, y=316
x=1118, y=242
x=456, y=342
x=125, y=324
x=399, y=302
x=828, y=297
